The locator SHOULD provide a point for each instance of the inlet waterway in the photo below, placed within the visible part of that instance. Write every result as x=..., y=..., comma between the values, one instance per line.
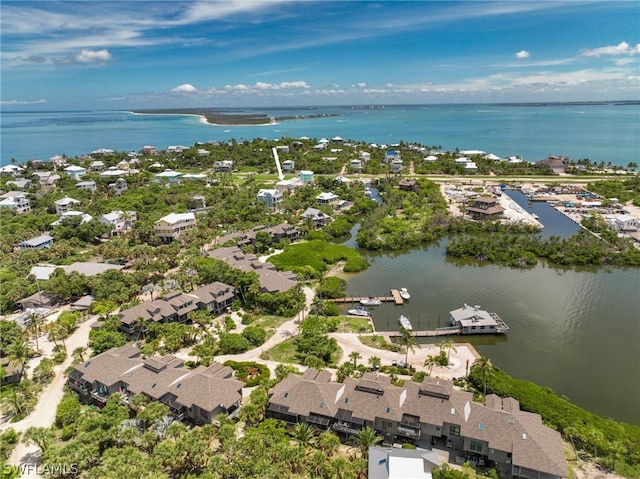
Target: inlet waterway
x=575, y=330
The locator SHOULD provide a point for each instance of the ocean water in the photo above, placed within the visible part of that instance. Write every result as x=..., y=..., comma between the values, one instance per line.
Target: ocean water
x=602, y=132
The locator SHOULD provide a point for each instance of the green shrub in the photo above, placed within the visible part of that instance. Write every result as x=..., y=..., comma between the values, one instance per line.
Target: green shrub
x=251, y=373
x=256, y=335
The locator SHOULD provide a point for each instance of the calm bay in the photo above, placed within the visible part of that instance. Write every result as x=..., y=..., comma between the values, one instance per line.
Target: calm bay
x=600, y=132
x=575, y=330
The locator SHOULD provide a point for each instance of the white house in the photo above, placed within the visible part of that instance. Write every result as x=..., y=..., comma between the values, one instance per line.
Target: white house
x=364, y=155
x=16, y=201
x=626, y=223
x=72, y=214
x=75, y=172
x=12, y=170
x=119, y=221
x=65, y=204
x=97, y=165
x=272, y=197
x=171, y=226
x=86, y=185
x=223, y=166
x=119, y=186
x=289, y=185
x=288, y=165
x=355, y=164
x=327, y=198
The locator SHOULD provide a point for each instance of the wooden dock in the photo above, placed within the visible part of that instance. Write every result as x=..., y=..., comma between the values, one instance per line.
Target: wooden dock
x=449, y=331
x=395, y=297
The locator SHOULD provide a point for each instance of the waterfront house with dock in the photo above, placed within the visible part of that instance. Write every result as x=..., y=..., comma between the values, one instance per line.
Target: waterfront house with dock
x=473, y=320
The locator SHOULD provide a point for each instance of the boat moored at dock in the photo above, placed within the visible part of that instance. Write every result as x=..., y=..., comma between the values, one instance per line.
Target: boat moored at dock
x=404, y=322
x=359, y=311
x=371, y=301
x=404, y=293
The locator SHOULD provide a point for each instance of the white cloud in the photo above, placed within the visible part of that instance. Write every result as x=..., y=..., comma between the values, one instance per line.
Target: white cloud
x=623, y=48
x=361, y=85
x=263, y=86
x=91, y=56
x=523, y=54
x=184, y=88
x=23, y=102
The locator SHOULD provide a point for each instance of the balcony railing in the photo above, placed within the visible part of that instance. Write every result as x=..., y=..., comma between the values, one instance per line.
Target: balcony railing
x=100, y=396
x=407, y=432
x=346, y=427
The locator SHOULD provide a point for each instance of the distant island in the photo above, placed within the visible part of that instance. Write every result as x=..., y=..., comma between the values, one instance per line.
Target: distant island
x=219, y=117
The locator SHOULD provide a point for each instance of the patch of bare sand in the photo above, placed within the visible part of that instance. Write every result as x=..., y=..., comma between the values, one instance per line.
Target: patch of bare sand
x=588, y=470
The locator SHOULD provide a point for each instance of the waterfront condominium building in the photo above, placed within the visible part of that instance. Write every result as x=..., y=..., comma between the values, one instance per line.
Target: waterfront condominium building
x=432, y=415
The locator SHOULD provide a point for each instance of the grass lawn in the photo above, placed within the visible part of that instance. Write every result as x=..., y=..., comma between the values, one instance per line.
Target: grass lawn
x=378, y=342
x=350, y=324
x=270, y=324
x=284, y=352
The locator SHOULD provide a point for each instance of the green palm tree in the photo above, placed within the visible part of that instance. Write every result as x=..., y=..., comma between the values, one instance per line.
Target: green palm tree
x=484, y=367
x=32, y=324
x=430, y=362
x=40, y=436
x=448, y=346
x=355, y=355
x=375, y=362
x=19, y=352
x=364, y=439
x=304, y=434
x=407, y=340
x=328, y=442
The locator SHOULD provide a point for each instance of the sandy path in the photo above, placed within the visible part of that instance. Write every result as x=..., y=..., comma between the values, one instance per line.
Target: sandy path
x=44, y=413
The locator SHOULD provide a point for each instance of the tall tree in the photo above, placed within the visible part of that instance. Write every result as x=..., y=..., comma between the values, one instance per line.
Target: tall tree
x=355, y=355
x=364, y=439
x=19, y=353
x=484, y=368
x=409, y=342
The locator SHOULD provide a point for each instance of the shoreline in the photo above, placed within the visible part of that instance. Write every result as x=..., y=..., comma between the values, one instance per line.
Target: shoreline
x=202, y=119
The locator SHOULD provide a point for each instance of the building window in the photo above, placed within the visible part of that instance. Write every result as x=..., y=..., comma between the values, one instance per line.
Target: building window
x=475, y=446
x=454, y=430
x=387, y=425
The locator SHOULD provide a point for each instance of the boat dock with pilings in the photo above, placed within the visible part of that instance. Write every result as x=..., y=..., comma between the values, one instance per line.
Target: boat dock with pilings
x=449, y=331
x=395, y=297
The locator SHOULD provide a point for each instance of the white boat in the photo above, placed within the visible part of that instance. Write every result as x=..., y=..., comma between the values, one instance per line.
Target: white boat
x=404, y=322
x=404, y=293
x=359, y=311
x=370, y=302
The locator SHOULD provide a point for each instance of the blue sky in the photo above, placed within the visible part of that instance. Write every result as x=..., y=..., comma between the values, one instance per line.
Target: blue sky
x=157, y=54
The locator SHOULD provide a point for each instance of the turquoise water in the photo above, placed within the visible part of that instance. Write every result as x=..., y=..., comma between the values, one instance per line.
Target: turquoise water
x=609, y=133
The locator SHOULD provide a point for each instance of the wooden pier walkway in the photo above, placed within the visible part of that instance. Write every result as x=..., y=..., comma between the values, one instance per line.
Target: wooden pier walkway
x=450, y=331
x=395, y=297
